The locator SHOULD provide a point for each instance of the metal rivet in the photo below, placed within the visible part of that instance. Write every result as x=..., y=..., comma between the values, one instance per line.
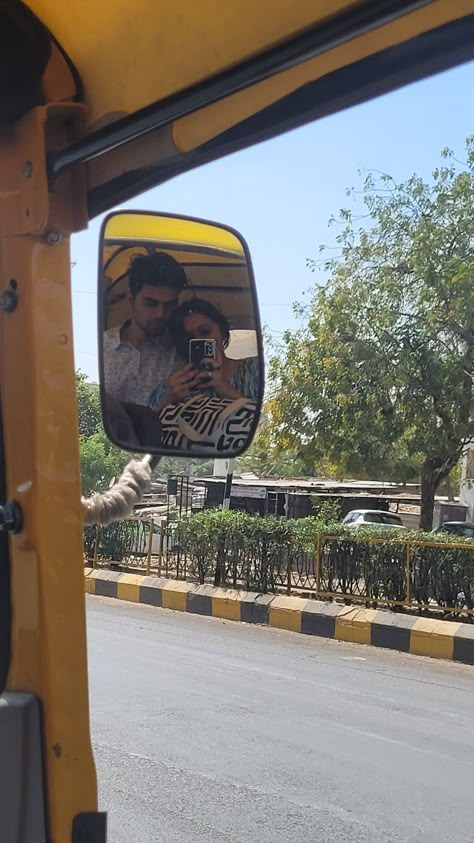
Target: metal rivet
x=8, y=301
x=54, y=237
x=11, y=517
x=27, y=169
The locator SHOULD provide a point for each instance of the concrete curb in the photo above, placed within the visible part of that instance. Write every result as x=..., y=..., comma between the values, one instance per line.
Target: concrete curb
x=418, y=636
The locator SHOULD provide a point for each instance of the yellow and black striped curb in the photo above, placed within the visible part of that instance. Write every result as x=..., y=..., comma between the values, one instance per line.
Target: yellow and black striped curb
x=419, y=636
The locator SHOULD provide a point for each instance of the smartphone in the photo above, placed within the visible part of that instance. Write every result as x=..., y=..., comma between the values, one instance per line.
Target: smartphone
x=199, y=351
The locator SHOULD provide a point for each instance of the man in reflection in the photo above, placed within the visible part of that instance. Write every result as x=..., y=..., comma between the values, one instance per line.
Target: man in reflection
x=139, y=355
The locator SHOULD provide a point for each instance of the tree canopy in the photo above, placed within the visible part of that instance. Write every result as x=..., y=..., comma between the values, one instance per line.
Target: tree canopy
x=378, y=381
x=100, y=460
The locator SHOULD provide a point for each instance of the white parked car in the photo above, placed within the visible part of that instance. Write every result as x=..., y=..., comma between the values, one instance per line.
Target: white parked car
x=372, y=518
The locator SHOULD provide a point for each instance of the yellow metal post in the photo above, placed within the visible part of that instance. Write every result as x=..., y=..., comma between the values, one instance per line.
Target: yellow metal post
x=96, y=543
x=318, y=564
x=289, y=574
x=408, y=572
x=151, y=524
x=38, y=401
x=160, y=550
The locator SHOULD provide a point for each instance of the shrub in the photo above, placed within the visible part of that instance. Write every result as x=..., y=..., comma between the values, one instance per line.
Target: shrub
x=117, y=542
x=267, y=554
x=270, y=554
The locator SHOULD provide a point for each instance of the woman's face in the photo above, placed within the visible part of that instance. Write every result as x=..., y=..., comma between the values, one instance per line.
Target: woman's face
x=197, y=326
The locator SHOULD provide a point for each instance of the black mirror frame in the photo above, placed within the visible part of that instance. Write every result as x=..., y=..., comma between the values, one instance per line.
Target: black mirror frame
x=188, y=454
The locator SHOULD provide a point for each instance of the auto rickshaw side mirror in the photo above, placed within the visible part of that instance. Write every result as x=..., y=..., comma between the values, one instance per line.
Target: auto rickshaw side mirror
x=180, y=341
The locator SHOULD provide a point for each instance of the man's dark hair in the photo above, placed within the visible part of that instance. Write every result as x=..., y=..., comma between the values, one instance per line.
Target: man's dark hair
x=204, y=308
x=158, y=270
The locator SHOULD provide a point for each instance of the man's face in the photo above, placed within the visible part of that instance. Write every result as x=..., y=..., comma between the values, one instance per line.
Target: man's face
x=152, y=308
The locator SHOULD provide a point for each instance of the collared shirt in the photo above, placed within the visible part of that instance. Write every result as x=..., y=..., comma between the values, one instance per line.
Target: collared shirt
x=132, y=374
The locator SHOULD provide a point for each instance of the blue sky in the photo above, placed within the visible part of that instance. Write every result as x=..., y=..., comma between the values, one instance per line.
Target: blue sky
x=280, y=194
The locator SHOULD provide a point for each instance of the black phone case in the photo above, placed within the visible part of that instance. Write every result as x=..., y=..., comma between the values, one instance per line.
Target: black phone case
x=199, y=350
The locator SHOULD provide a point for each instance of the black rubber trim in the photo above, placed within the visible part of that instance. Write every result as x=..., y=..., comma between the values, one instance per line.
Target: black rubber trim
x=89, y=828
x=79, y=95
x=393, y=68
x=427, y=54
x=5, y=597
x=356, y=21
x=101, y=321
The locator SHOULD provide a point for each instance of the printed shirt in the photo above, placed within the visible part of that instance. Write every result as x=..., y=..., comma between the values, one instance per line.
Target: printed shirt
x=133, y=374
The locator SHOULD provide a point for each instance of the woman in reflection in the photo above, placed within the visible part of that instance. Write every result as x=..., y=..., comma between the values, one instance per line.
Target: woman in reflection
x=224, y=377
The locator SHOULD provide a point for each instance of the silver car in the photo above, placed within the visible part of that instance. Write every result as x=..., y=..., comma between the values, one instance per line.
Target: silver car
x=372, y=518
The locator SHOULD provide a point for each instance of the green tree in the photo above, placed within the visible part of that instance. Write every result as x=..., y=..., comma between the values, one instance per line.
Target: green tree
x=88, y=404
x=379, y=380
x=272, y=457
x=100, y=460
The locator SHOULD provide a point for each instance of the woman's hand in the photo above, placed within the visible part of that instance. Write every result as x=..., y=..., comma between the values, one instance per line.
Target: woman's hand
x=215, y=379
x=181, y=385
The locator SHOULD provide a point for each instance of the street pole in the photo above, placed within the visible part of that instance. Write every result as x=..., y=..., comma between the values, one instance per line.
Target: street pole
x=228, y=484
x=466, y=493
x=225, y=468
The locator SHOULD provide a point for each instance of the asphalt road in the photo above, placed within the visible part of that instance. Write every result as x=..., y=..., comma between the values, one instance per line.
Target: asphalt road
x=206, y=731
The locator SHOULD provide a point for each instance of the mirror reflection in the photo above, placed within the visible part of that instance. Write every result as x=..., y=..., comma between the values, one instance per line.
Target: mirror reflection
x=181, y=363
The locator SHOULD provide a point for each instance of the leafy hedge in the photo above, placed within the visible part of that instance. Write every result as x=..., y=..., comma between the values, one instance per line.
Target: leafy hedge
x=270, y=554
x=244, y=550
x=118, y=542
x=275, y=554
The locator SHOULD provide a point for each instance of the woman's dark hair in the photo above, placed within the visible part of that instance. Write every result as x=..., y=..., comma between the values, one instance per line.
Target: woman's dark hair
x=157, y=269
x=203, y=308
